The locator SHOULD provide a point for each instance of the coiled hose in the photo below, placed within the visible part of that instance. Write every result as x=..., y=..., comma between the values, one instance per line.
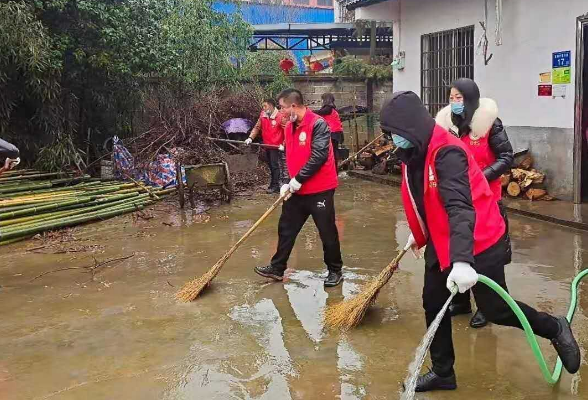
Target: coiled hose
x=551, y=378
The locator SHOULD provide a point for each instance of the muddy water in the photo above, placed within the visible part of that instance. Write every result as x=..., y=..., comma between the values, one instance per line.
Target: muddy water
x=123, y=336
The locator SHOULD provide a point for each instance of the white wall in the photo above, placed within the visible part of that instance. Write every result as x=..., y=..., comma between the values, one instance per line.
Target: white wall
x=532, y=31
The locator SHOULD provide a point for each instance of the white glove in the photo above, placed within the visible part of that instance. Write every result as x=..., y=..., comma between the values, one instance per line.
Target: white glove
x=248, y=141
x=294, y=185
x=281, y=147
x=284, y=189
x=463, y=276
x=411, y=244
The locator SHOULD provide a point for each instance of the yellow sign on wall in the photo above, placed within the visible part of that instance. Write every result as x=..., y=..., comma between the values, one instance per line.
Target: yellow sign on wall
x=562, y=76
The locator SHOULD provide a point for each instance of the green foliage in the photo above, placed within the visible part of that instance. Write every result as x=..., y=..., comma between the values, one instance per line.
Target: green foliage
x=28, y=72
x=357, y=68
x=61, y=154
x=72, y=65
x=267, y=64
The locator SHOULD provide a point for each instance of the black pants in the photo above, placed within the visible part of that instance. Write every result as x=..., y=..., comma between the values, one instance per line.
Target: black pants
x=295, y=212
x=464, y=298
x=273, y=162
x=495, y=309
x=336, y=141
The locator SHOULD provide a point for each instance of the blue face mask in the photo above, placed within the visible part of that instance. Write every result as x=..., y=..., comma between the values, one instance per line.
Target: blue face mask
x=457, y=108
x=401, y=142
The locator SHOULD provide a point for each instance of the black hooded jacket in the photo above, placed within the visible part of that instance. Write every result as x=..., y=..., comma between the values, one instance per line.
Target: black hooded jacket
x=405, y=116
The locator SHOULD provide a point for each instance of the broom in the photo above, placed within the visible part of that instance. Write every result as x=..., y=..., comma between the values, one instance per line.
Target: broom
x=342, y=163
x=192, y=289
x=349, y=313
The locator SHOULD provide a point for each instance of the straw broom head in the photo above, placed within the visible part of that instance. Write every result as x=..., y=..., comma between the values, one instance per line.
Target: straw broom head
x=349, y=313
x=193, y=288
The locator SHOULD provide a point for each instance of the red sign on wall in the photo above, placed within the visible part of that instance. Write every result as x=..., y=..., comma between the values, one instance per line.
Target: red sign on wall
x=545, y=91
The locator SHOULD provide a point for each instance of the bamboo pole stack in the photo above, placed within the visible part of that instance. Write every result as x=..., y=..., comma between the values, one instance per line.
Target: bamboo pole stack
x=32, y=202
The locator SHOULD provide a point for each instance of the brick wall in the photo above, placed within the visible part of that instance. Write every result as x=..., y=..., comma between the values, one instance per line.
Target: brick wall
x=343, y=88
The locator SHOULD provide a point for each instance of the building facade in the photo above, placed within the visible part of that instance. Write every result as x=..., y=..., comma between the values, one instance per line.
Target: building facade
x=282, y=11
x=527, y=55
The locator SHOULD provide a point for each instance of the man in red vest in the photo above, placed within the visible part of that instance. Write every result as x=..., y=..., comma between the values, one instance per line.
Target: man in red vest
x=451, y=209
x=272, y=132
x=311, y=164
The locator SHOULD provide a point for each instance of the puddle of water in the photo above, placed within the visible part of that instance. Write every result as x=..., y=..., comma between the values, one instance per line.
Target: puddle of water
x=123, y=336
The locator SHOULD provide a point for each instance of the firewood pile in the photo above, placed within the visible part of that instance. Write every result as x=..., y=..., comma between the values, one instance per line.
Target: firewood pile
x=525, y=182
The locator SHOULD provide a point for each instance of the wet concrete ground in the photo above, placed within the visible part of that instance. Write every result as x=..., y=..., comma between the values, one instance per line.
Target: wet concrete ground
x=123, y=336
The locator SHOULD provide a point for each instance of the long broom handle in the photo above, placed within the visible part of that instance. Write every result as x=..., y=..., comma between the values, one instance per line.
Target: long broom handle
x=360, y=151
x=269, y=146
x=282, y=198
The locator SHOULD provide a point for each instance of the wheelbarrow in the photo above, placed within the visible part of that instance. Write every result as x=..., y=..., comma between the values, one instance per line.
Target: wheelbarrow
x=209, y=176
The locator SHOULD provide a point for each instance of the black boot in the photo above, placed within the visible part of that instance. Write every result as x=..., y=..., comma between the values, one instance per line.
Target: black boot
x=334, y=279
x=432, y=381
x=478, y=320
x=566, y=346
x=272, y=190
x=458, y=309
x=270, y=271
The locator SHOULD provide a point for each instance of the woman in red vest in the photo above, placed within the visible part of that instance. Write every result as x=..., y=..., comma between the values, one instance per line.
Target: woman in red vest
x=475, y=121
x=451, y=209
x=330, y=114
x=272, y=132
x=311, y=164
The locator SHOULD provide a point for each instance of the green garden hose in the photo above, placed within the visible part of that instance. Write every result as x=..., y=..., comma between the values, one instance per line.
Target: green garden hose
x=551, y=378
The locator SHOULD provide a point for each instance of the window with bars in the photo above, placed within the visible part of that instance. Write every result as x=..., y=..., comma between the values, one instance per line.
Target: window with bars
x=445, y=57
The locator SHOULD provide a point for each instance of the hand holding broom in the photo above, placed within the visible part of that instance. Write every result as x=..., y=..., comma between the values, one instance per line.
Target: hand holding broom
x=192, y=289
x=349, y=313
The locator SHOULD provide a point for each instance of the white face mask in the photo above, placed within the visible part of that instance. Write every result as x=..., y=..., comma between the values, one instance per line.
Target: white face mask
x=293, y=116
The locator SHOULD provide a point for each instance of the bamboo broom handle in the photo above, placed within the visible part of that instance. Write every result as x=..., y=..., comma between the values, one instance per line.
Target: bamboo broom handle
x=259, y=221
x=360, y=151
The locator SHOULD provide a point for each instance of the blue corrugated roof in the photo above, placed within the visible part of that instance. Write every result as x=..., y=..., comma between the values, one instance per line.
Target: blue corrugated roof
x=257, y=14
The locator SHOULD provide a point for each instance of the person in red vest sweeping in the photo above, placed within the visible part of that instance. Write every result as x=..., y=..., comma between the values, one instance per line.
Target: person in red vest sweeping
x=272, y=132
x=311, y=164
x=451, y=209
x=329, y=113
x=475, y=121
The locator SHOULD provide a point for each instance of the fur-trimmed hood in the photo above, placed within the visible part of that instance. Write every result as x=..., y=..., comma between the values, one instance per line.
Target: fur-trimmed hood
x=482, y=120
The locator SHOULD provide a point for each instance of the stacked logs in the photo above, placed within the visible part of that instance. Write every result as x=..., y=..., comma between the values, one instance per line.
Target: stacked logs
x=523, y=181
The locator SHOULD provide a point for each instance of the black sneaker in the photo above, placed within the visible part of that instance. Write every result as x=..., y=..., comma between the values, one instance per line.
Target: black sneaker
x=334, y=279
x=478, y=320
x=459, y=309
x=272, y=190
x=432, y=381
x=566, y=346
x=269, y=271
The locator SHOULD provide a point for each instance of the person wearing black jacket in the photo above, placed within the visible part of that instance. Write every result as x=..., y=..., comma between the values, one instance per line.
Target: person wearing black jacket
x=475, y=121
x=311, y=164
x=461, y=201
x=330, y=114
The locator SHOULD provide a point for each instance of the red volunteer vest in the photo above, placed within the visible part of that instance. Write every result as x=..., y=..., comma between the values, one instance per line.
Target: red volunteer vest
x=489, y=226
x=480, y=149
x=298, y=153
x=271, y=129
x=334, y=121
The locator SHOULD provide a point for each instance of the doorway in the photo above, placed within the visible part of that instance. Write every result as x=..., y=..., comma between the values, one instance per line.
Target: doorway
x=581, y=117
